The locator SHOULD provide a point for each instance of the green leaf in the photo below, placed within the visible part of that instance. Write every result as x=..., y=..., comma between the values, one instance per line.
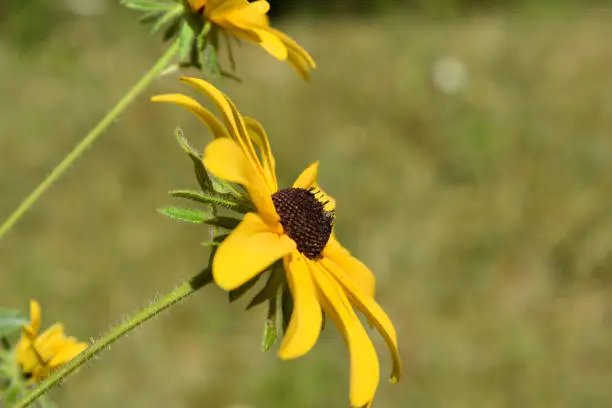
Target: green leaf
x=286, y=306
x=270, y=331
x=270, y=290
x=11, y=321
x=223, y=200
x=169, y=17
x=196, y=157
x=228, y=223
x=172, y=29
x=147, y=5
x=185, y=214
x=241, y=290
x=186, y=39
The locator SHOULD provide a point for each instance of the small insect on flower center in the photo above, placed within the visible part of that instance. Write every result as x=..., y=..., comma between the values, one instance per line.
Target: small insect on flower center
x=304, y=218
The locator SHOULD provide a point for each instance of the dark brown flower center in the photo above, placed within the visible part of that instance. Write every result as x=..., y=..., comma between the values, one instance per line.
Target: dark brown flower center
x=304, y=219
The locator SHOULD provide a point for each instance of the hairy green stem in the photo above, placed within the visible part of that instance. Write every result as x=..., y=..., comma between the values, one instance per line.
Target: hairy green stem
x=76, y=152
x=175, y=296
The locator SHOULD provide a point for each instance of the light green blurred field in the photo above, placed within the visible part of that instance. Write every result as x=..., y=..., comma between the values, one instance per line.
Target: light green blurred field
x=486, y=214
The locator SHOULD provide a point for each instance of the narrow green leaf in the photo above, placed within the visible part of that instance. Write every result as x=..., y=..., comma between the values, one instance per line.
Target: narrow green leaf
x=241, y=290
x=270, y=290
x=185, y=214
x=11, y=321
x=196, y=157
x=186, y=39
x=228, y=223
x=170, y=16
x=147, y=5
x=286, y=306
x=206, y=198
x=172, y=30
x=270, y=331
x=150, y=17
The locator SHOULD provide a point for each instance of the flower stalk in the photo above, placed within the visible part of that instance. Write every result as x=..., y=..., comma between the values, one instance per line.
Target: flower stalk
x=91, y=137
x=120, y=330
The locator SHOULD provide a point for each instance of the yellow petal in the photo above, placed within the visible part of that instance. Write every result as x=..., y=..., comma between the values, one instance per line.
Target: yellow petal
x=196, y=4
x=305, y=324
x=308, y=178
x=260, y=138
x=365, y=370
x=217, y=10
x=249, y=249
x=299, y=65
x=375, y=314
x=262, y=36
x=359, y=273
x=234, y=122
x=214, y=125
x=225, y=160
x=68, y=351
x=296, y=49
x=35, y=318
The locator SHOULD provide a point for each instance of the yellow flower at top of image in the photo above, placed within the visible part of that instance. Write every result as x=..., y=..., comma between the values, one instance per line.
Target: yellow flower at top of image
x=294, y=224
x=249, y=21
x=39, y=354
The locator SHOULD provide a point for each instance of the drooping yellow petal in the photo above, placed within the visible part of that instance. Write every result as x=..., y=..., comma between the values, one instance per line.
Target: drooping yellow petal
x=260, y=139
x=375, y=314
x=234, y=121
x=225, y=160
x=295, y=48
x=214, y=125
x=217, y=10
x=308, y=178
x=305, y=324
x=69, y=350
x=250, y=248
x=365, y=370
x=359, y=273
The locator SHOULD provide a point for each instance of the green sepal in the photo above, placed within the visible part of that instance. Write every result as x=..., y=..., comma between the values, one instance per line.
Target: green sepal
x=201, y=173
x=170, y=17
x=228, y=223
x=270, y=290
x=186, y=214
x=235, y=294
x=11, y=321
x=286, y=306
x=270, y=332
x=224, y=200
x=172, y=29
x=147, y=5
x=186, y=40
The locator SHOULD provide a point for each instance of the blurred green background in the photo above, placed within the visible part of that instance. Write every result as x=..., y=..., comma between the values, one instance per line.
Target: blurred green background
x=468, y=144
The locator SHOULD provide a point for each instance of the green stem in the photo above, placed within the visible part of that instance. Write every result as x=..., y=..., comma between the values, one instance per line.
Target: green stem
x=175, y=296
x=138, y=88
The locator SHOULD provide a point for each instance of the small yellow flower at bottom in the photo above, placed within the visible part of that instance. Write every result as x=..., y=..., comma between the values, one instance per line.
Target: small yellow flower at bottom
x=38, y=355
x=249, y=21
x=296, y=225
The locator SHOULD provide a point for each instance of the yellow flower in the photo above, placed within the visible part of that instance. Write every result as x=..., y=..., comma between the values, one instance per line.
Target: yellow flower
x=294, y=224
x=249, y=21
x=39, y=355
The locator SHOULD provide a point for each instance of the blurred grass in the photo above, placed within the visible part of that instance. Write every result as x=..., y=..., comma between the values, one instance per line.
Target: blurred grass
x=485, y=214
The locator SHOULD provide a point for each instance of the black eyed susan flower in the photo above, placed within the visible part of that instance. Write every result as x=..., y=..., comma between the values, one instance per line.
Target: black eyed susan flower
x=249, y=21
x=294, y=224
x=39, y=354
